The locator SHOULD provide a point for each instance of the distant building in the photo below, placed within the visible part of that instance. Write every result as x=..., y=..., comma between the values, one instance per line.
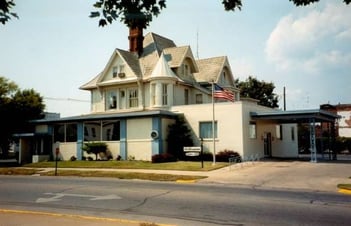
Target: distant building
x=344, y=123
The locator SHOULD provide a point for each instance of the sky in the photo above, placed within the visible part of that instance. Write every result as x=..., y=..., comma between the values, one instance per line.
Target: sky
x=54, y=47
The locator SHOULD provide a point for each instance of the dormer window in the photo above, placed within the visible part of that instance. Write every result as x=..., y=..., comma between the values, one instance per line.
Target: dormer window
x=118, y=71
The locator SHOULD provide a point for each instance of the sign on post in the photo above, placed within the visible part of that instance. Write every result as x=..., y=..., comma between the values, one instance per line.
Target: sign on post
x=192, y=151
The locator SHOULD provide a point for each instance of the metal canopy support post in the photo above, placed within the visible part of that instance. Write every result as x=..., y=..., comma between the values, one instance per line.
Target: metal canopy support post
x=313, y=140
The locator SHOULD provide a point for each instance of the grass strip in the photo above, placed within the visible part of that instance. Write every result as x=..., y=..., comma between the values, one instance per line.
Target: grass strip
x=123, y=175
x=17, y=171
x=344, y=186
x=180, y=165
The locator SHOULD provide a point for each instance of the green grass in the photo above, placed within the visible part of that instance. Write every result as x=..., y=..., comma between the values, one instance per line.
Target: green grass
x=180, y=165
x=344, y=186
x=123, y=175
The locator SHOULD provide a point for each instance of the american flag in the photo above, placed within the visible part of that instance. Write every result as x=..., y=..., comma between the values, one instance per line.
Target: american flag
x=221, y=93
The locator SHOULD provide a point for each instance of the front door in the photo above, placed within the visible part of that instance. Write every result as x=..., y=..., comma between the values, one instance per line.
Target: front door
x=267, y=144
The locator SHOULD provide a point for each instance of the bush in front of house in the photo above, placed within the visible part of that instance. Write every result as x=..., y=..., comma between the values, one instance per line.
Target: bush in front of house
x=95, y=148
x=223, y=156
x=164, y=157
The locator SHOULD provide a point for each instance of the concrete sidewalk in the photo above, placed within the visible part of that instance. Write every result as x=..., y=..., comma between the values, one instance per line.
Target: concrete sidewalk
x=321, y=176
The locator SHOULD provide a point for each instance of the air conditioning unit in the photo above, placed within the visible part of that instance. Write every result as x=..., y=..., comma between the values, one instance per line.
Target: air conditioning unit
x=121, y=75
x=154, y=134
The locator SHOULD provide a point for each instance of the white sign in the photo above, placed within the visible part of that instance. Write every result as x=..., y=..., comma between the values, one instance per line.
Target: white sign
x=192, y=149
x=192, y=154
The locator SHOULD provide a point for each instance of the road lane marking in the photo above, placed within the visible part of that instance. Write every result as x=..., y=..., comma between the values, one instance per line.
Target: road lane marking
x=59, y=196
x=117, y=220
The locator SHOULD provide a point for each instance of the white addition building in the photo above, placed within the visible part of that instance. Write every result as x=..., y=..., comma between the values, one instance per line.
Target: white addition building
x=140, y=92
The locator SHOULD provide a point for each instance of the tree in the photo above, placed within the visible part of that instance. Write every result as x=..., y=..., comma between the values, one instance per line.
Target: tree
x=17, y=108
x=129, y=10
x=259, y=90
x=179, y=136
x=5, y=10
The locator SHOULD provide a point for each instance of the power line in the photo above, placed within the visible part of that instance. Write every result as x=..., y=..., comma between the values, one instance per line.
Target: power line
x=66, y=99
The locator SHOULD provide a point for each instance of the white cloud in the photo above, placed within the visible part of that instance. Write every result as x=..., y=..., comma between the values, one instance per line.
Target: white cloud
x=312, y=42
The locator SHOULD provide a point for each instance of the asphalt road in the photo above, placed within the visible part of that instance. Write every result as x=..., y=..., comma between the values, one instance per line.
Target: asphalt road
x=169, y=203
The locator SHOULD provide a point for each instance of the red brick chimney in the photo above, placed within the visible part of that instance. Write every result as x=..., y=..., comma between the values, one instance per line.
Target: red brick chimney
x=136, y=39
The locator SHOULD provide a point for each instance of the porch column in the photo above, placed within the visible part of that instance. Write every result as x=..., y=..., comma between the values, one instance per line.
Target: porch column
x=123, y=139
x=313, y=140
x=80, y=139
x=157, y=142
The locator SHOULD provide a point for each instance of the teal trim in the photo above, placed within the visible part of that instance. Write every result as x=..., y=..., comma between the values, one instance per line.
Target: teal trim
x=157, y=142
x=123, y=139
x=80, y=138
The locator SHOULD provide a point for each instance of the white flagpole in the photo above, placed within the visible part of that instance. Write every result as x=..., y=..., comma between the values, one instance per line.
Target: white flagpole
x=213, y=126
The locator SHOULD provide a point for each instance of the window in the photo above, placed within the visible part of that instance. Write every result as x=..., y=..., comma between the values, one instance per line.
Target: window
x=292, y=133
x=71, y=132
x=252, y=130
x=111, y=100
x=153, y=94
x=133, y=98
x=279, y=132
x=117, y=70
x=164, y=94
x=65, y=133
x=198, y=98
x=59, y=133
x=114, y=72
x=111, y=131
x=206, y=129
x=186, y=96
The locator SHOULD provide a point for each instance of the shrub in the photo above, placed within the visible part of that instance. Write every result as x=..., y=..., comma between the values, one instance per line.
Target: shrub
x=223, y=156
x=95, y=148
x=73, y=158
x=164, y=157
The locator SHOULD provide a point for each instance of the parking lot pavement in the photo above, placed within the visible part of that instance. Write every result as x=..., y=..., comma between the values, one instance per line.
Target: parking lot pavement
x=320, y=176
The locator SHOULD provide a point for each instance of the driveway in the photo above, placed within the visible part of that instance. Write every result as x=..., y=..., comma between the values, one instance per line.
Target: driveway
x=320, y=176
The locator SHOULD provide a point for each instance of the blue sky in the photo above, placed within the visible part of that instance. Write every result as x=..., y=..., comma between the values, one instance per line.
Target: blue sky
x=55, y=47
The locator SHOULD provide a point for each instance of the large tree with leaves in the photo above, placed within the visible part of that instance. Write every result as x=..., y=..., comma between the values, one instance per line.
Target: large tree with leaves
x=17, y=108
x=129, y=10
x=259, y=90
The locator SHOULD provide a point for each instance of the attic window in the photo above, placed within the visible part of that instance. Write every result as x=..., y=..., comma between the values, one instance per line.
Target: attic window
x=118, y=71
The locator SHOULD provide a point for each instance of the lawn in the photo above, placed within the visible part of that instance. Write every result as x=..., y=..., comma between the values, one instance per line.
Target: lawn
x=180, y=165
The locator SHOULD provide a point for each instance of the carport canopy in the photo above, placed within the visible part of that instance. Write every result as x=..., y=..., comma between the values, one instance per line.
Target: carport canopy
x=300, y=116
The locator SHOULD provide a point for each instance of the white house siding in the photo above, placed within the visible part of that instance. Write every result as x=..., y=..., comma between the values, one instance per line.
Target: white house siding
x=229, y=125
x=286, y=147
x=97, y=104
x=138, y=138
x=67, y=150
x=114, y=148
x=233, y=120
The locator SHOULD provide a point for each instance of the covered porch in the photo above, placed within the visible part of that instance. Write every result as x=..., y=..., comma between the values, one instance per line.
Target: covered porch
x=310, y=117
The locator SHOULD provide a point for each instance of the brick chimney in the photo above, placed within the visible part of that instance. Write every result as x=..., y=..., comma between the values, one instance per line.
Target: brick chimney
x=136, y=39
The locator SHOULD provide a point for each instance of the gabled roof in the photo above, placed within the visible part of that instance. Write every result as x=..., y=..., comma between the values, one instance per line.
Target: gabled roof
x=130, y=60
x=177, y=56
x=210, y=69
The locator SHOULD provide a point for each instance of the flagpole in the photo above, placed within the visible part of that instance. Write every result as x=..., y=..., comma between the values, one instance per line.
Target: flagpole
x=213, y=126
